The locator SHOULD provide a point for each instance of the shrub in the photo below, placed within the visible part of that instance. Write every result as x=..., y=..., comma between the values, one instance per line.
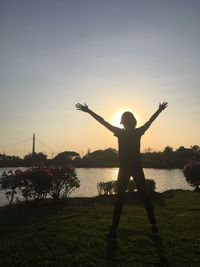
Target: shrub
x=63, y=181
x=38, y=183
x=131, y=186
x=35, y=183
x=10, y=182
x=192, y=173
x=106, y=188
x=109, y=188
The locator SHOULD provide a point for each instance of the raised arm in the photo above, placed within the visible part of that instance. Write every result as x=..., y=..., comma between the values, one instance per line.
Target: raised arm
x=162, y=106
x=85, y=108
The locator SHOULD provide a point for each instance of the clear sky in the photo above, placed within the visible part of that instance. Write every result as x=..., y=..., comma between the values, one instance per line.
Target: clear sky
x=112, y=54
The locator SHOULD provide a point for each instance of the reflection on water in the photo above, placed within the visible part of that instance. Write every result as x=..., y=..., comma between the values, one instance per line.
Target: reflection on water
x=89, y=177
x=165, y=179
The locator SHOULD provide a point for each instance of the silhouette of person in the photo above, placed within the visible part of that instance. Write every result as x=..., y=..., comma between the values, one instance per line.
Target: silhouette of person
x=130, y=162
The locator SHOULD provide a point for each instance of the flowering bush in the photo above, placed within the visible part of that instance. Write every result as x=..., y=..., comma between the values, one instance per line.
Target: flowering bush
x=63, y=181
x=35, y=183
x=192, y=173
x=38, y=183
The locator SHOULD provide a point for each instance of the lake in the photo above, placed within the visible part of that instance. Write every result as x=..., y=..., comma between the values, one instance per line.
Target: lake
x=89, y=177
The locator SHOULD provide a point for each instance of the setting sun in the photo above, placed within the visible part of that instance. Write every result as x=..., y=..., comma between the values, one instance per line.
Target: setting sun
x=116, y=117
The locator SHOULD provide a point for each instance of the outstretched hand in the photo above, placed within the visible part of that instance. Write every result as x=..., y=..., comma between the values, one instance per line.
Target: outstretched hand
x=163, y=105
x=81, y=107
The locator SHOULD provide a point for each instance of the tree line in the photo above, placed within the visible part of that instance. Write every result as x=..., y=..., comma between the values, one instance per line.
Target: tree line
x=168, y=158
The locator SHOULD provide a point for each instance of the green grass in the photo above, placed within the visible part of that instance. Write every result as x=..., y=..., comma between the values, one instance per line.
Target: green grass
x=71, y=233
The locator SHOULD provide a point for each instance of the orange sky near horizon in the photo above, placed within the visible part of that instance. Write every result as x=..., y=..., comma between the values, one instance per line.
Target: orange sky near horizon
x=113, y=55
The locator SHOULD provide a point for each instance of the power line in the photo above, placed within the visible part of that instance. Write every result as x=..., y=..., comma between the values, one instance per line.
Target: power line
x=18, y=143
x=46, y=146
x=30, y=139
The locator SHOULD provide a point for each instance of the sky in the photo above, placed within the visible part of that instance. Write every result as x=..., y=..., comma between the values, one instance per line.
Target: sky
x=114, y=55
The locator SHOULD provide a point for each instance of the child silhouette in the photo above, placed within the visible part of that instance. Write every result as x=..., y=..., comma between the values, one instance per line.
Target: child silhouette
x=129, y=160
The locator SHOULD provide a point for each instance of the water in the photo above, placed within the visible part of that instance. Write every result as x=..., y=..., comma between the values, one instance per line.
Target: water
x=89, y=177
x=165, y=179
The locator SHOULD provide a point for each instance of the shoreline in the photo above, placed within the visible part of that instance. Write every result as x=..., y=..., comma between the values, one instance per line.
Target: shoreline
x=96, y=167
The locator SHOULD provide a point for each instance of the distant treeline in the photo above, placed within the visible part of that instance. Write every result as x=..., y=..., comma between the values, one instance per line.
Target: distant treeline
x=168, y=158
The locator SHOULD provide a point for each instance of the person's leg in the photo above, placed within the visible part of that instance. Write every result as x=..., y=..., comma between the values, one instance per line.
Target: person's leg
x=141, y=187
x=122, y=182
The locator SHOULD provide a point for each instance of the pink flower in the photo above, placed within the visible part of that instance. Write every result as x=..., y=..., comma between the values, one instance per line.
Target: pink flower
x=18, y=172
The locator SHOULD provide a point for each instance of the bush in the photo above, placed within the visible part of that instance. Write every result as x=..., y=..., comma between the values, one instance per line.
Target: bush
x=131, y=186
x=10, y=182
x=192, y=173
x=35, y=183
x=106, y=188
x=64, y=180
x=38, y=183
x=110, y=188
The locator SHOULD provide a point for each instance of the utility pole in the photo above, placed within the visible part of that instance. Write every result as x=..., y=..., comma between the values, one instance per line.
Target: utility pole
x=33, y=147
x=33, y=150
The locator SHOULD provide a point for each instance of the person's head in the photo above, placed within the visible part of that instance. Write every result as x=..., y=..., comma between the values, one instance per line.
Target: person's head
x=128, y=120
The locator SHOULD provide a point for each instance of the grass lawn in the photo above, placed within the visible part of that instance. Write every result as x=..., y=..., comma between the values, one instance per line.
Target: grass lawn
x=72, y=232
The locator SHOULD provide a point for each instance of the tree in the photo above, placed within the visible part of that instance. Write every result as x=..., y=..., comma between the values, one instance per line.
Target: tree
x=196, y=151
x=35, y=159
x=195, y=148
x=66, y=157
x=148, y=150
x=192, y=173
x=183, y=153
x=168, y=150
x=107, y=157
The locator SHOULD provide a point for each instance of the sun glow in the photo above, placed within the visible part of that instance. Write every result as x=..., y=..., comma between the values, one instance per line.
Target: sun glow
x=116, y=117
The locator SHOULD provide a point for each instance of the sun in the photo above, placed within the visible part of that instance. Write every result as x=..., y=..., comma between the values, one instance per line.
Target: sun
x=116, y=116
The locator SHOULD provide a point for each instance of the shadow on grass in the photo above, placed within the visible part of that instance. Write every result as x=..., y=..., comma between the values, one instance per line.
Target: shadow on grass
x=25, y=214
x=111, y=253
x=132, y=198
x=163, y=262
